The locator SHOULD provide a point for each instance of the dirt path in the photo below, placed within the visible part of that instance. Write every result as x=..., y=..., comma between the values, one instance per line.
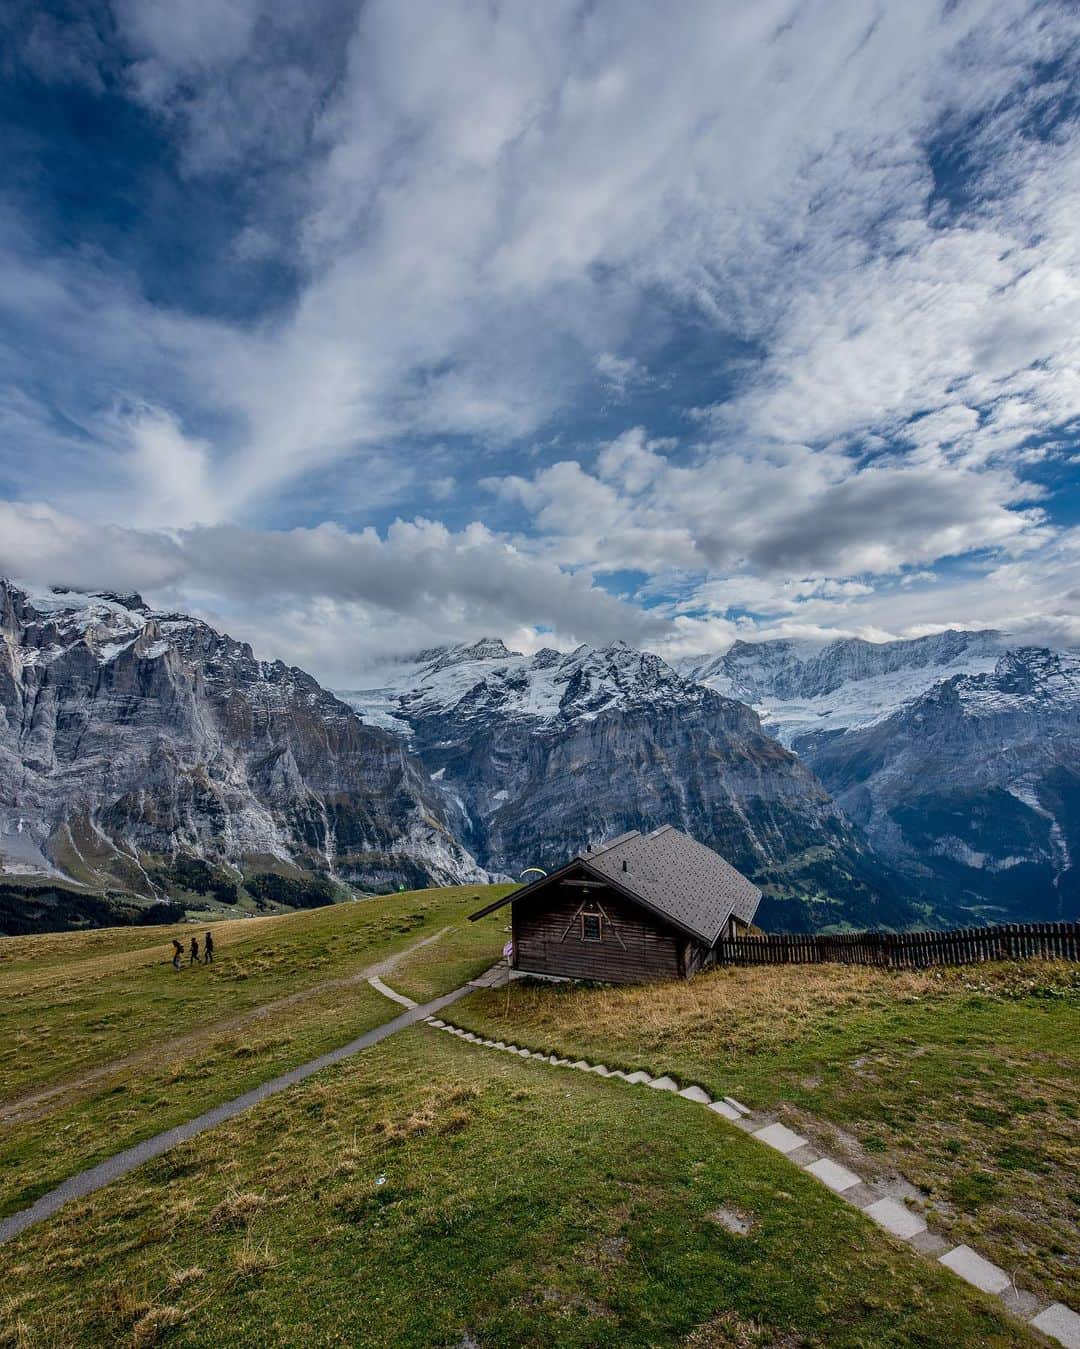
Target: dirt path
x=96, y=1177
x=37, y=1103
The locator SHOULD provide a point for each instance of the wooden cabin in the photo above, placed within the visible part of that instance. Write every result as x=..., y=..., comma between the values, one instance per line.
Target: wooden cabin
x=642, y=907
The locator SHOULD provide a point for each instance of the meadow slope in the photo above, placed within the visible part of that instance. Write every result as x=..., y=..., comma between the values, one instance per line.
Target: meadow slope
x=965, y=1081
x=427, y=1192
x=104, y=1043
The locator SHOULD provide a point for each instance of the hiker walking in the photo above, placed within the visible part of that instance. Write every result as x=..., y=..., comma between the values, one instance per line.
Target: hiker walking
x=194, y=952
x=177, y=953
x=208, y=949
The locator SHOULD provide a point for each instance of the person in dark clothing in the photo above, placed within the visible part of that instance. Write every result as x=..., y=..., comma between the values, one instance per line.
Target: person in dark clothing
x=208, y=949
x=194, y=952
x=177, y=953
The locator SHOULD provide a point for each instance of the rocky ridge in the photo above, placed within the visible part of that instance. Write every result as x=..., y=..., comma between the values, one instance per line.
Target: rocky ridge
x=797, y=687
x=550, y=752
x=130, y=738
x=973, y=788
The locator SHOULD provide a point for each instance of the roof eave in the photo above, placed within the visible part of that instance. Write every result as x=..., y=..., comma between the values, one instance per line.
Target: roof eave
x=523, y=890
x=732, y=914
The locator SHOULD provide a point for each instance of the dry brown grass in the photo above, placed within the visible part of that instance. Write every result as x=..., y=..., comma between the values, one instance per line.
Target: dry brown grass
x=252, y=1259
x=15, y=1333
x=237, y=1209
x=728, y=1330
x=149, y=1328
x=181, y=1278
x=440, y=1114
x=732, y=1010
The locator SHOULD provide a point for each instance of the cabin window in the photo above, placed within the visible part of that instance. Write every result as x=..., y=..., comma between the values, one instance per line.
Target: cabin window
x=591, y=926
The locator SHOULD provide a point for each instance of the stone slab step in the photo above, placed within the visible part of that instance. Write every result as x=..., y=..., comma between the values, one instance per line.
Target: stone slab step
x=664, y=1084
x=838, y=1178
x=895, y=1218
x=696, y=1094
x=971, y=1266
x=722, y=1108
x=780, y=1137
x=1061, y=1323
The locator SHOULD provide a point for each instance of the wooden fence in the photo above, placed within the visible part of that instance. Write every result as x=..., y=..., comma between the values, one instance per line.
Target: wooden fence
x=906, y=950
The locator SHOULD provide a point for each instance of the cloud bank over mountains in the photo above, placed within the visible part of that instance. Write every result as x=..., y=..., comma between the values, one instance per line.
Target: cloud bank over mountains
x=381, y=324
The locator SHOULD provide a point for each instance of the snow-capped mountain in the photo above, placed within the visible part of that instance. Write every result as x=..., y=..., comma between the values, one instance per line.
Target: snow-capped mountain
x=798, y=687
x=550, y=687
x=552, y=751
x=973, y=788
x=133, y=742
x=129, y=739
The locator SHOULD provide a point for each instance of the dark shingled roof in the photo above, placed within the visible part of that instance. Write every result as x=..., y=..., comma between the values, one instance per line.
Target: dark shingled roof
x=673, y=875
x=679, y=877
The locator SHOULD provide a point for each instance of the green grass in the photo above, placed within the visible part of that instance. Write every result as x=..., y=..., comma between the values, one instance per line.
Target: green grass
x=966, y=1082
x=69, y=1002
x=522, y=1205
x=130, y=999
x=137, y=1102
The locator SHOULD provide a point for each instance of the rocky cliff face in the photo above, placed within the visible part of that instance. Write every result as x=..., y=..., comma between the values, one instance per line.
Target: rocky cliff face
x=551, y=752
x=128, y=737
x=973, y=788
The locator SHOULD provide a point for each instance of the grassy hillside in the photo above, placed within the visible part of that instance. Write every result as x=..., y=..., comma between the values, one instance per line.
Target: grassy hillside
x=966, y=1081
x=102, y=1042
x=99, y=994
x=430, y=1193
x=519, y=1205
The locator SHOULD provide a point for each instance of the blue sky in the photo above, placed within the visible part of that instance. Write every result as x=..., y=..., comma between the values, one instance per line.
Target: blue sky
x=360, y=326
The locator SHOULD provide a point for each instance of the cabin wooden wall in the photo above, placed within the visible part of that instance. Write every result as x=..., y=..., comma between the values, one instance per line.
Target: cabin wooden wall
x=543, y=945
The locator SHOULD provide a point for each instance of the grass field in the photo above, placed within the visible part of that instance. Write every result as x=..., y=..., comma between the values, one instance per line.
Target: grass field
x=74, y=1000
x=98, y=1005
x=519, y=1205
x=965, y=1081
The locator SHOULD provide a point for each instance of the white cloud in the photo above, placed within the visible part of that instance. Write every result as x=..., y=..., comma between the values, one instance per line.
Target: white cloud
x=419, y=584
x=620, y=373
x=467, y=170
x=785, y=510
x=489, y=207
x=168, y=471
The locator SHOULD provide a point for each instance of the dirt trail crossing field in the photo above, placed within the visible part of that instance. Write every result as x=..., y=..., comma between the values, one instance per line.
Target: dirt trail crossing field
x=36, y=1103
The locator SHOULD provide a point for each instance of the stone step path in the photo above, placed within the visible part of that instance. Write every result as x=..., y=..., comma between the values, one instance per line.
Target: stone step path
x=1055, y=1320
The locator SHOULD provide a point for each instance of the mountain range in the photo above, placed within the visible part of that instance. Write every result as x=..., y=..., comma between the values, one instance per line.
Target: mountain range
x=549, y=752
x=147, y=756
x=134, y=743
x=956, y=753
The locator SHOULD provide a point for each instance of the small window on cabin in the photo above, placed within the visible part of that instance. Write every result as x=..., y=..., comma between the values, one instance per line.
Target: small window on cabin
x=591, y=927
